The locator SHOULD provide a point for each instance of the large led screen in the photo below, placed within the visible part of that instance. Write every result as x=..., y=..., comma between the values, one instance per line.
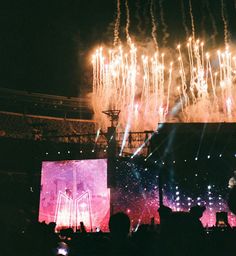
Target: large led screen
x=75, y=191
x=186, y=183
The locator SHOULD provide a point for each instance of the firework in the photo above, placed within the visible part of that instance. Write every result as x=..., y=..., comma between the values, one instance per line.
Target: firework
x=150, y=85
x=147, y=88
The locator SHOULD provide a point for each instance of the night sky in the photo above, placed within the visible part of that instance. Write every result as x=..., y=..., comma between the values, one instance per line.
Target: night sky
x=45, y=46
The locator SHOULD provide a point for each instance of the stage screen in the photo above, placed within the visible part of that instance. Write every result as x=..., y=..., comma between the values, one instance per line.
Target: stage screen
x=75, y=191
x=186, y=183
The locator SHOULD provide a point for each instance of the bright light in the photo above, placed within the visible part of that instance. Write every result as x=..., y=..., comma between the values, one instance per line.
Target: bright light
x=144, y=87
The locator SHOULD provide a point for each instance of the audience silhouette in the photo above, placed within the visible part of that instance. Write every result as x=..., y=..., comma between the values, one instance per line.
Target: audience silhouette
x=119, y=226
x=179, y=233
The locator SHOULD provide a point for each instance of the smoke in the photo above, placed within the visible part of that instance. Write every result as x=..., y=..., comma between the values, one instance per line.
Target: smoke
x=138, y=18
x=213, y=22
x=184, y=18
x=164, y=25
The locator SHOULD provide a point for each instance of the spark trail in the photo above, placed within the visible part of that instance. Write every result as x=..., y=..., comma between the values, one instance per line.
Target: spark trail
x=154, y=27
x=226, y=33
x=127, y=23
x=192, y=19
x=117, y=25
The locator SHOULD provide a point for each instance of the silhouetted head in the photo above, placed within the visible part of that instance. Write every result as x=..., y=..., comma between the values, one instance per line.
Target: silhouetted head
x=232, y=200
x=197, y=211
x=164, y=211
x=119, y=224
x=52, y=226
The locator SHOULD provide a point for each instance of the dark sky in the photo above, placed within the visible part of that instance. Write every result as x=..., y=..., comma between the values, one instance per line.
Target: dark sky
x=45, y=45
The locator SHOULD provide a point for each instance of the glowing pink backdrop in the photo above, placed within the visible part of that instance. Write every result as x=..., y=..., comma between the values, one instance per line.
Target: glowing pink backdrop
x=75, y=191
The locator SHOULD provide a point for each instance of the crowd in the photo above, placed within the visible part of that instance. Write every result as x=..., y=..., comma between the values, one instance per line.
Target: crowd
x=20, y=126
x=179, y=233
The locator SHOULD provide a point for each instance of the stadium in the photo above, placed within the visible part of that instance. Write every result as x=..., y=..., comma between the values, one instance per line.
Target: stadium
x=140, y=158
